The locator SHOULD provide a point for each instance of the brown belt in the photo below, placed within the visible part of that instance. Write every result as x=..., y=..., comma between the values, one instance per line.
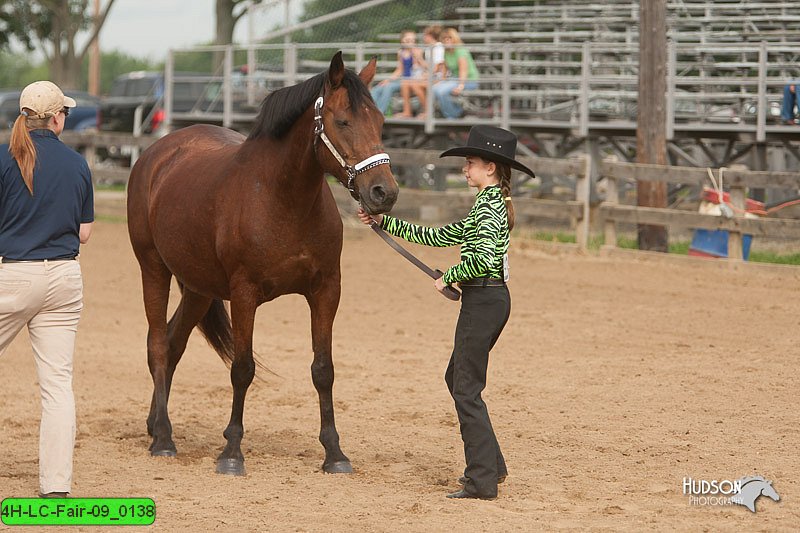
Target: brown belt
x=482, y=282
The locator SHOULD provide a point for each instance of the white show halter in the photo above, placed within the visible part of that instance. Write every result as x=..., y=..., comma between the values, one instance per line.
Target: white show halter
x=352, y=170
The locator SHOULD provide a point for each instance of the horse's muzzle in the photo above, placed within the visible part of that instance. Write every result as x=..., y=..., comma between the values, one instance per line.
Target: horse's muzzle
x=380, y=198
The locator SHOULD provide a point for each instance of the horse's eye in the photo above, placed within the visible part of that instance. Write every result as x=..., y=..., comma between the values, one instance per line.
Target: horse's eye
x=342, y=123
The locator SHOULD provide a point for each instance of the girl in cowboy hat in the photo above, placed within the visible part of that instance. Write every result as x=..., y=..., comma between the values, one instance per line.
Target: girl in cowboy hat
x=486, y=303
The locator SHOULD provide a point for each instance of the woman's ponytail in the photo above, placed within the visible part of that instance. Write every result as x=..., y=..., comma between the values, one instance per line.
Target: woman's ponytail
x=22, y=148
x=504, y=171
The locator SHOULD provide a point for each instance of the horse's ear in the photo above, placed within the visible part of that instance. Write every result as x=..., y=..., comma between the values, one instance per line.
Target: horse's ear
x=368, y=72
x=336, y=70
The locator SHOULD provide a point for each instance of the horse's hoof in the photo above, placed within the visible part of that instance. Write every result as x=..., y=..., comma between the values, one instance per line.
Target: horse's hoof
x=163, y=453
x=230, y=467
x=163, y=450
x=339, y=467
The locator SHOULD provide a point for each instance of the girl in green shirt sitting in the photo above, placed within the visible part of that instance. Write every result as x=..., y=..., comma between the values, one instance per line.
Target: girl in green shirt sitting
x=462, y=74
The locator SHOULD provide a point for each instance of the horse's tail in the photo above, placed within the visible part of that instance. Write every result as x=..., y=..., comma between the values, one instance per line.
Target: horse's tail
x=216, y=328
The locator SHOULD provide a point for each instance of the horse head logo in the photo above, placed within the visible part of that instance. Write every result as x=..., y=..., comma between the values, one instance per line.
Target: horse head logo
x=751, y=488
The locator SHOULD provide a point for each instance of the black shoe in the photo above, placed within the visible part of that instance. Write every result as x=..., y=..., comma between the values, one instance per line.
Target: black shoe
x=463, y=494
x=54, y=495
x=463, y=481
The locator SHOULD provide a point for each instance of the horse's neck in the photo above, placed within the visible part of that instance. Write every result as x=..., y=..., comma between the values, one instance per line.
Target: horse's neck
x=291, y=162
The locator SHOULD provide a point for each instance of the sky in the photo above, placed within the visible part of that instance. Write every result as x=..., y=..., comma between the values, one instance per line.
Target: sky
x=148, y=28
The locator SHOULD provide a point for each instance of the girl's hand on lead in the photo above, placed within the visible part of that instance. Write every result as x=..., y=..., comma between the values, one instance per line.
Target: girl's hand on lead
x=369, y=219
x=439, y=284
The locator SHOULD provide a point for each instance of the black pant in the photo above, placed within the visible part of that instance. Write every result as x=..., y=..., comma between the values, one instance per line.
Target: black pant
x=484, y=313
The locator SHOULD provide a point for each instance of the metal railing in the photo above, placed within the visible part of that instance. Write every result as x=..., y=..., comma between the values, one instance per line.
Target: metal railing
x=732, y=88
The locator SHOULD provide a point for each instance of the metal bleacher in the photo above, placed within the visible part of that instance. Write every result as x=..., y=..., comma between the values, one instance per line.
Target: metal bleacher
x=569, y=70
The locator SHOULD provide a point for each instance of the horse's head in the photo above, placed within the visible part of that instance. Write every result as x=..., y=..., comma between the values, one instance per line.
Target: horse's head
x=752, y=487
x=349, y=127
x=768, y=490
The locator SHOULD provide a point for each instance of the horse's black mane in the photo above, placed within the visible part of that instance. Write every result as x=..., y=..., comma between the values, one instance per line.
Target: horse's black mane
x=283, y=107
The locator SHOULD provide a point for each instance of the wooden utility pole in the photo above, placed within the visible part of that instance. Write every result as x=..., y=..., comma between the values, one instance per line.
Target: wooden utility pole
x=94, y=56
x=651, y=139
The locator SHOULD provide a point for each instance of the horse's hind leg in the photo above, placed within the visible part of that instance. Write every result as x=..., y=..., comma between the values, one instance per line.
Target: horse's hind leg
x=324, y=303
x=155, y=290
x=191, y=309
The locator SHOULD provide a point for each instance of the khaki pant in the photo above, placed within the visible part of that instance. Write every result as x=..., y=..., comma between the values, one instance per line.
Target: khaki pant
x=48, y=297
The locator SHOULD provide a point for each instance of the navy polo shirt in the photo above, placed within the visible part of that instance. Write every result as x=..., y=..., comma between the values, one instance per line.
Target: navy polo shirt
x=45, y=225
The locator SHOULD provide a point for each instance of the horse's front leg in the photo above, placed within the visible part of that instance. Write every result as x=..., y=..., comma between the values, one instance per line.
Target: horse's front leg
x=324, y=303
x=243, y=310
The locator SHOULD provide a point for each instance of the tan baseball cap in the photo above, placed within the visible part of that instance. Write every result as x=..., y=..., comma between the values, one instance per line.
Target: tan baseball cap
x=44, y=99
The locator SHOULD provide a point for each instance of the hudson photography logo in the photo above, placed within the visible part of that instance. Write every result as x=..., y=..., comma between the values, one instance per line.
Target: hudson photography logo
x=743, y=491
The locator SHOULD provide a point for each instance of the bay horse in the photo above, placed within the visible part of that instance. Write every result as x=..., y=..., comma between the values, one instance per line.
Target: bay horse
x=250, y=219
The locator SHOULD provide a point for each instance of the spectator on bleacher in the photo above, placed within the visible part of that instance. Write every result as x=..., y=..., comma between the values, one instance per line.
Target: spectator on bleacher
x=432, y=57
x=406, y=65
x=462, y=74
x=789, y=104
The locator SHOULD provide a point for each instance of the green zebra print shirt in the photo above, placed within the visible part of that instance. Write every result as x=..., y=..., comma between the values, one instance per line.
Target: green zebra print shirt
x=483, y=237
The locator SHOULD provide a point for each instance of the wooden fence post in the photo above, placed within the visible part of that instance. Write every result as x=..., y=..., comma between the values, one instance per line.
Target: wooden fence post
x=90, y=152
x=612, y=198
x=582, y=194
x=735, y=237
x=586, y=67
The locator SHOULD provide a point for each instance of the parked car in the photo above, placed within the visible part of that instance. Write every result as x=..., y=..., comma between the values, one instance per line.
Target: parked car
x=9, y=107
x=81, y=117
x=84, y=115
x=144, y=90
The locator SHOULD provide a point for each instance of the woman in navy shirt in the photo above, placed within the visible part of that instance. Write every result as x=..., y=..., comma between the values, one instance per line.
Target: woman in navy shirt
x=46, y=213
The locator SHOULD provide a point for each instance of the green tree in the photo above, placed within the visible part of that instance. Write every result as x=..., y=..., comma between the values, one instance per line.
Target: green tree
x=369, y=24
x=225, y=20
x=52, y=26
x=12, y=26
x=17, y=70
x=112, y=64
x=227, y=16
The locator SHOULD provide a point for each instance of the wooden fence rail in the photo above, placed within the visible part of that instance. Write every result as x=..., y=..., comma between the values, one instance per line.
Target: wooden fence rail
x=578, y=210
x=738, y=181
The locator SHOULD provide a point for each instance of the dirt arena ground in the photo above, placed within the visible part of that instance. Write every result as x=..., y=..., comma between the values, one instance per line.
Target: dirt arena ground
x=616, y=378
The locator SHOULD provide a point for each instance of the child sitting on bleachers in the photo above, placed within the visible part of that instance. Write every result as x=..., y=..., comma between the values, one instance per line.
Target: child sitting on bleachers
x=462, y=74
x=433, y=57
x=406, y=68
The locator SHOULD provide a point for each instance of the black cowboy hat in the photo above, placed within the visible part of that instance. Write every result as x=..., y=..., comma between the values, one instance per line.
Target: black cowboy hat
x=493, y=144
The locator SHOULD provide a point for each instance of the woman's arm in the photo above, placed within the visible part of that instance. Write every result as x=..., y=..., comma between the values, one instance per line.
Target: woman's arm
x=419, y=58
x=85, y=232
x=463, y=72
x=396, y=73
